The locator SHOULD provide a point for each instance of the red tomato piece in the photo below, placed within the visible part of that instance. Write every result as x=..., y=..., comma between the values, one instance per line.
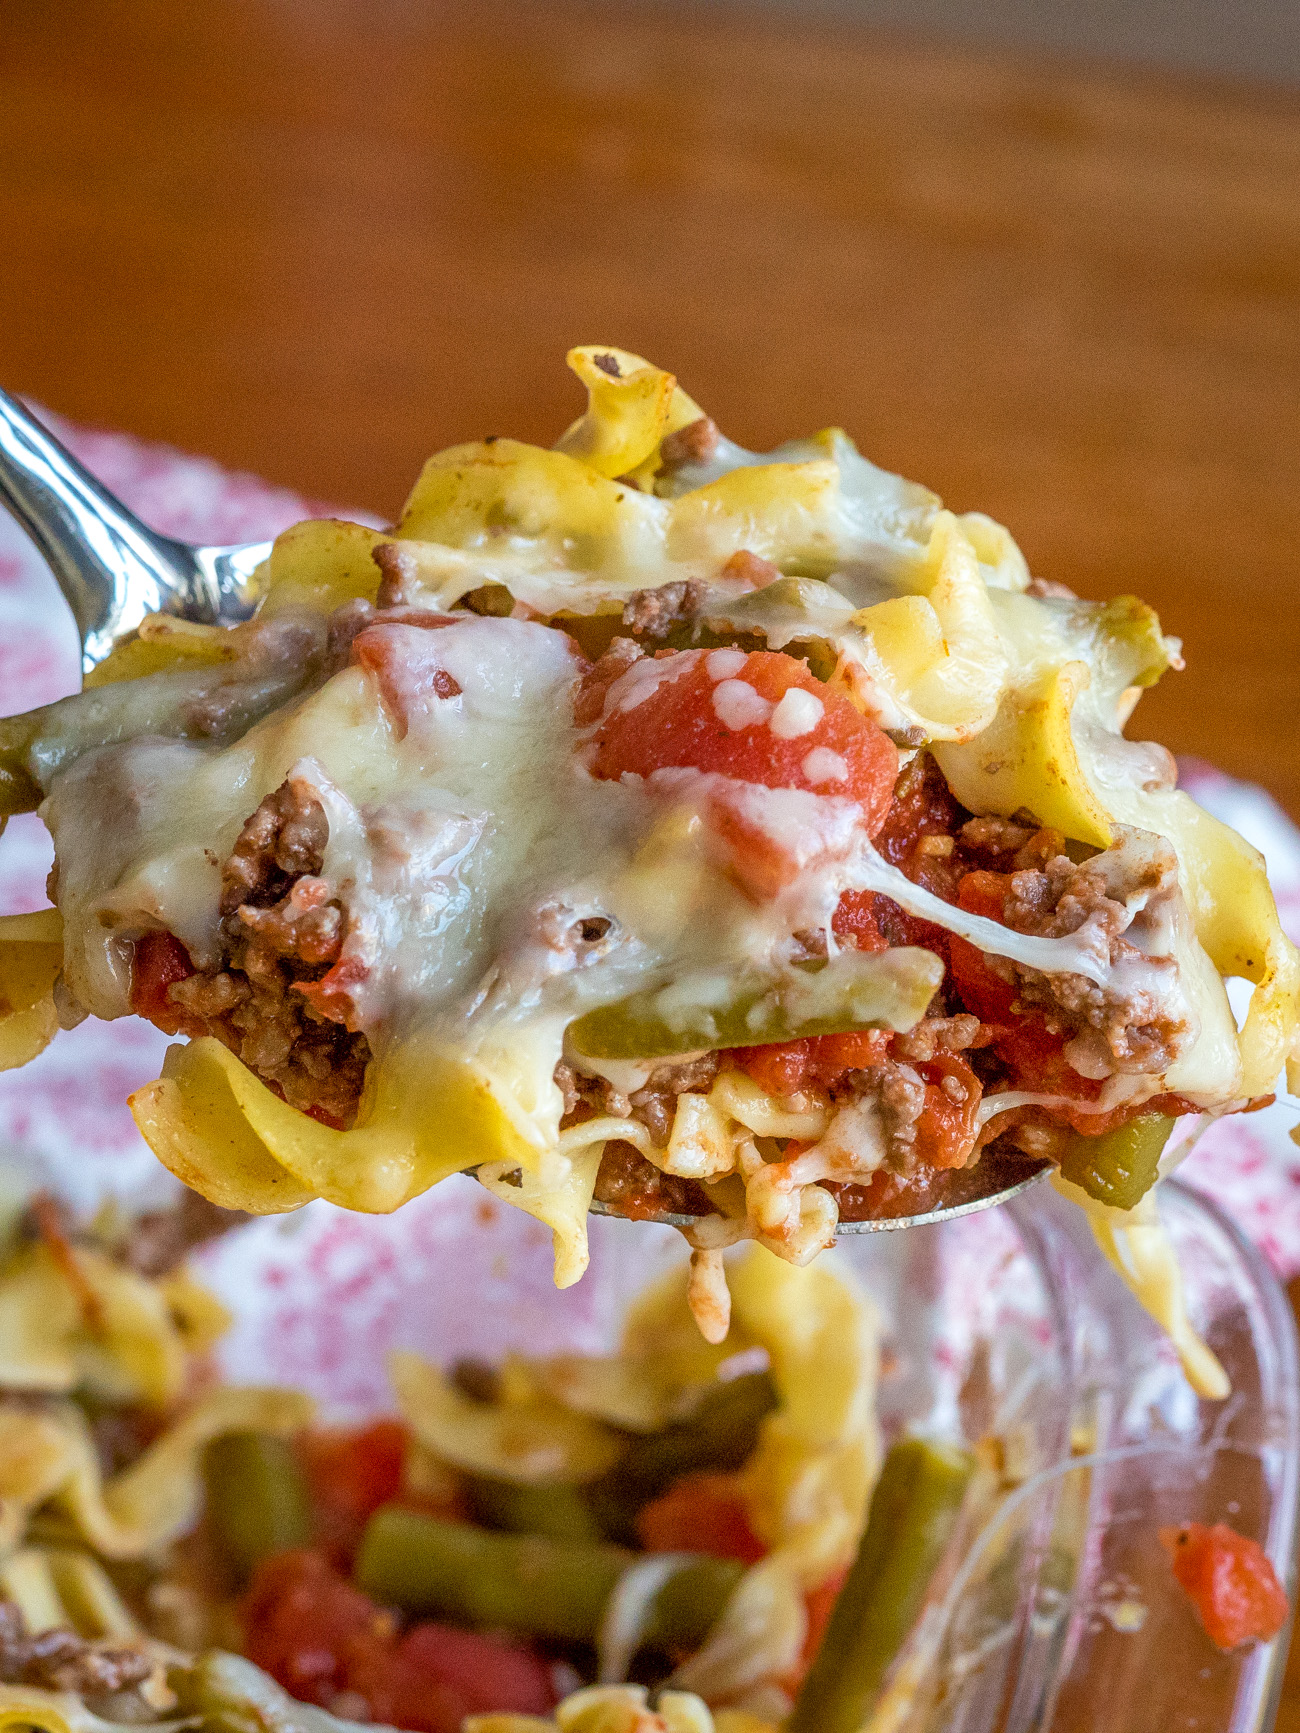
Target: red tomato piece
x=700, y=1513
x=695, y=718
x=159, y=962
x=923, y=805
x=946, y=1130
x=820, y=1604
x=982, y=991
x=785, y=1067
x=437, y=1675
x=405, y=661
x=856, y=921
x=304, y=1625
x=351, y=1472
x=320, y=1637
x=778, y=1068
x=1230, y=1581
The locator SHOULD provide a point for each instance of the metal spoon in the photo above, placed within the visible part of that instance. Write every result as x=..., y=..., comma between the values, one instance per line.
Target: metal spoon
x=993, y=1180
x=113, y=571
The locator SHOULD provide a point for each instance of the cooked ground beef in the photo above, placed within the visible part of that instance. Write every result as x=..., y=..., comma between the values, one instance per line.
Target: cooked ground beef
x=654, y=1104
x=1120, y=1027
x=694, y=443
x=400, y=574
x=161, y=1240
x=280, y=928
x=60, y=1660
x=995, y=836
x=633, y=1186
x=654, y=613
x=940, y=1035
x=900, y=1098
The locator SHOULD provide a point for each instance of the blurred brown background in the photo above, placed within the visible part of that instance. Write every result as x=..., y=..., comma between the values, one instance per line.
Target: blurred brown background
x=320, y=240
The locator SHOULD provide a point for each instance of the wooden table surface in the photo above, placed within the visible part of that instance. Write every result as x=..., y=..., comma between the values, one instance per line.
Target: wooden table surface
x=321, y=238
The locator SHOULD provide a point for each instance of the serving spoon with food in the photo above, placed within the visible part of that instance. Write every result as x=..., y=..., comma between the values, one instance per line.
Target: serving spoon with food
x=114, y=571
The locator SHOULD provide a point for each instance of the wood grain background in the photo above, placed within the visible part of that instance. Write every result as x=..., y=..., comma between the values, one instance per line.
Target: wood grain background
x=320, y=238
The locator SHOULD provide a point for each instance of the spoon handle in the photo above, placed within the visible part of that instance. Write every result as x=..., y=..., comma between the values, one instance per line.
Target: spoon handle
x=111, y=568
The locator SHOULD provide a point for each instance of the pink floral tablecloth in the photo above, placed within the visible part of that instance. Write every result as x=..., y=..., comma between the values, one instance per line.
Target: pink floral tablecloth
x=322, y=1294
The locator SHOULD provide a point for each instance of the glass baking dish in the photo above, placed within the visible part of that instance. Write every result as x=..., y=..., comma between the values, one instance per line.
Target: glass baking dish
x=1062, y=1612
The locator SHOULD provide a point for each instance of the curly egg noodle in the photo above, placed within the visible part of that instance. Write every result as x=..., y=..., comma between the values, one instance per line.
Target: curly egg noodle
x=466, y=830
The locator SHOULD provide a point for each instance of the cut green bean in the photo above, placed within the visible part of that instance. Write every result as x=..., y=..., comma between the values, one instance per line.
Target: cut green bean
x=1120, y=1166
x=690, y=1603
x=718, y=1437
x=528, y=1584
x=555, y=1512
x=855, y=990
x=257, y=1497
x=913, y=1513
x=546, y=1588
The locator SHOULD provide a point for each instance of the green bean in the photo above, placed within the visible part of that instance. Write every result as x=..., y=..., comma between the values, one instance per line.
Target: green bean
x=257, y=1497
x=913, y=1513
x=690, y=1603
x=529, y=1584
x=855, y=990
x=35, y=746
x=719, y=1436
x=546, y=1588
x=1121, y=1166
x=555, y=1512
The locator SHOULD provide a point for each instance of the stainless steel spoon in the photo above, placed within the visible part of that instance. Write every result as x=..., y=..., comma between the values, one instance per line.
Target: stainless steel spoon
x=995, y=1188
x=113, y=571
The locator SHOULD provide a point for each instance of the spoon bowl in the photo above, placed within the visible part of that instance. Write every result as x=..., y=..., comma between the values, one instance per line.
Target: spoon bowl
x=994, y=1181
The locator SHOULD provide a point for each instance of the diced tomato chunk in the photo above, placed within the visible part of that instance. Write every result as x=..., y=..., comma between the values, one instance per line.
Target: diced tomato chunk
x=700, y=1513
x=946, y=1129
x=479, y=1672
x=714, y=711
x=923, y=806
x=160, y=961
x=351, y=1472
x=1230, y=1581
x=319, y=1637
x=855, y=921
x=405, y=661
x=306, y=1626
x=982, y=991
x=785, y=1067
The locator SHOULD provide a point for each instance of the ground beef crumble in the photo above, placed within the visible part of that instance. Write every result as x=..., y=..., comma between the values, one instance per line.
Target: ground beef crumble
x=1125, y=1026
x=654, y=613
x=60, y=1660
x=161, y=1240
x=694, y=443
x=280, y=928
